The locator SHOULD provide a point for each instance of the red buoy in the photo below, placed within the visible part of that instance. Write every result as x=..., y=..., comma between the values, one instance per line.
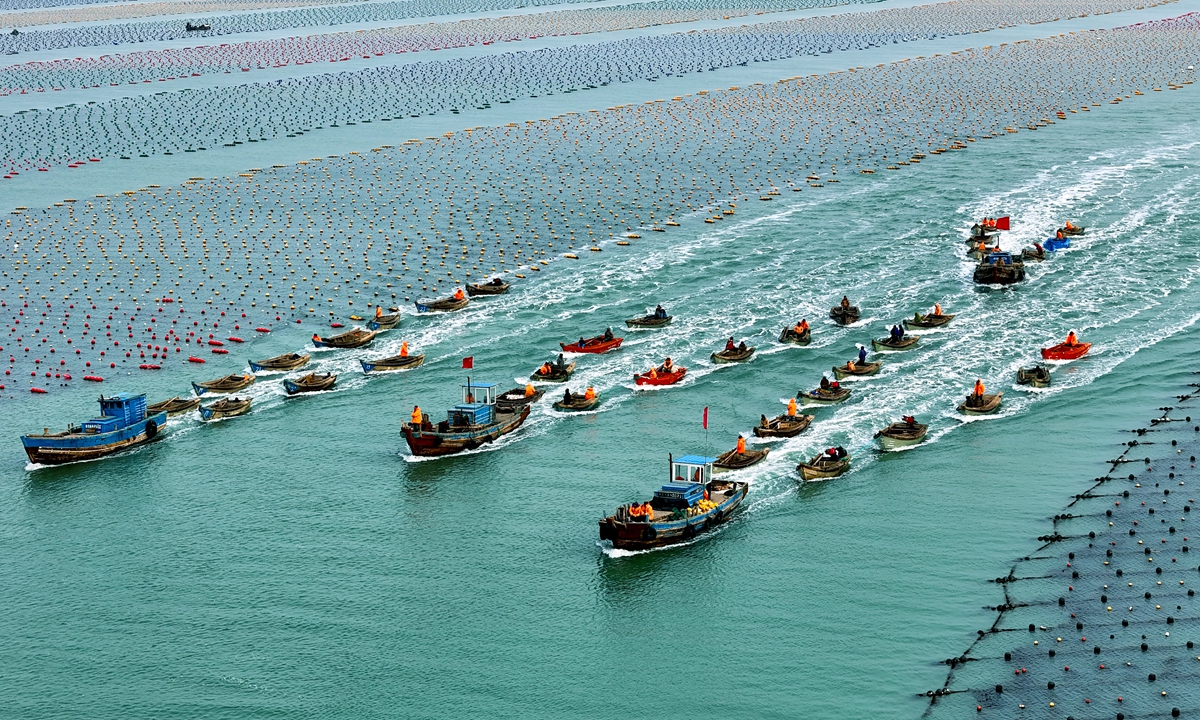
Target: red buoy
x=194, y=359
x=37, y=390
x=262, y=329
x=93, y=378
x=236, y=339
x=219, y=351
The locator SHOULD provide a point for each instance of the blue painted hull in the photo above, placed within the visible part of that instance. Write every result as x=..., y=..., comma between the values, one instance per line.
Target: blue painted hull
x=76, y=447
x=1053, y=244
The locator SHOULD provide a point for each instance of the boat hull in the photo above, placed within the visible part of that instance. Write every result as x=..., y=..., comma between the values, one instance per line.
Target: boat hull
x=813, y=397
x=991, y=403
x=726, y=357
x=844, y=317
x=647, y=535
x=486, y=290
x=174, y=407
x=217, y=411
x=790, y=337
x=733, y=460
x=556, y=375
x=929, y=321
x=778, y=429
x=392, y=364
x=207, y=389
x=841, y=373
x=649, y=322
x=447, y=305
x=282, y=363
x=890, y=442
x=1032, y=378
x=432, y=443
x=992, y=275
x=582, y=406
x=812, y=471
x=77, y=447
x=907, y=343
x=594, y=347
x=1063, y=351
x=663, y=379
x=384, y=322
x=347, y=340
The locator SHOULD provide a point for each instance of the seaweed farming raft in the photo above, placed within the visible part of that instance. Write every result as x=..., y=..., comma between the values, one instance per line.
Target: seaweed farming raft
x=691, y=503
x=122, y=424
x=477, y=421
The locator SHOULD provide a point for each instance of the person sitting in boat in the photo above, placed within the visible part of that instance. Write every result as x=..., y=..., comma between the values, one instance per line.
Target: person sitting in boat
x=862, y=354
x=1068, y=225
x=668, y=365
x=608, y=334
x=316, y=338
x=378, y=311
x=581, y=342
x=653, y=373
x=729, y=346
x=791, y=411
x=404, y=349
x=589, y=394
x=741, y=446
x=496, y=281
x=566, y=396
x=545, y=369
x=937, y=310
x=1071, y=340
x=851, y=366
x=801, y=327
x=660, y=313
x=742, y=346
x=561, y=362
x=981, y=247
x=529, y=390
x=1058, y=235
x=1038, y=247
x=417, y=416
x=824, y=383
x=458, y=294
x=841, y=452
x=910, y=421
x=845, y=302
x=763, y=422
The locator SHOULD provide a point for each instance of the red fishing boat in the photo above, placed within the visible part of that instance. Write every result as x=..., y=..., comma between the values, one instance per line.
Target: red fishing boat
x=596, y=345
x=657, y=377
x=1066, y=351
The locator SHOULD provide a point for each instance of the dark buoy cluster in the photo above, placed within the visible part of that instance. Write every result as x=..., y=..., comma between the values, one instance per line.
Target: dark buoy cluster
x=1107, y=617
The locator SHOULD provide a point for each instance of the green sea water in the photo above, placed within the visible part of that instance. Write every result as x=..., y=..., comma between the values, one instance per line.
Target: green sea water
x=295, y=563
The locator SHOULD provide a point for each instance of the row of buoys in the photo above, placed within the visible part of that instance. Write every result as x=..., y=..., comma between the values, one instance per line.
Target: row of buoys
x=205, y=117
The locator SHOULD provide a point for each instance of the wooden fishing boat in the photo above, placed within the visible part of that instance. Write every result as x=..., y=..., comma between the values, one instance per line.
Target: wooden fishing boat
x=690, y=504
x=859, y=370
x=311, y=382
x=1064, y=351
x=736, y=355
x=513, y=400
x=558, y=373
x=280, y=363
x=906, y=342
x=1072, y=232
x=823, y=396
x=659, y=377
x=385, y=322
x=823, y=467
x=844, y=316
x=173, y=407
x=929, y=321
x=986, y=234
x=449, y=304
x=577, y=402
x=390, y=364
x=1031, y=253
x=649, y=321
x=784, y=426
x=225, y=408
x=221, y=386
x=999, y=268
x=476, y=422
x=356, y=338
x=789, y=335
x=989, y=405
x=1037, y=376
x=596, y=345
x=495, y=287
x=901, y=434
x=734, y=460
x=123, y=423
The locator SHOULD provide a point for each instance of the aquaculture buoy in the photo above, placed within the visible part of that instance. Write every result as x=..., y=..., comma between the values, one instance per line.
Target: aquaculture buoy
x=262, y=329
x=194, y=359
x=93, y=378
x=220, y=351
x=37, y=390
x=236, y=339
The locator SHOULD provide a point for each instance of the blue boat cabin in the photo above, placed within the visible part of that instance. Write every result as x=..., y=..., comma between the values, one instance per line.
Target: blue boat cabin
x=478, y=406
x=116, y=412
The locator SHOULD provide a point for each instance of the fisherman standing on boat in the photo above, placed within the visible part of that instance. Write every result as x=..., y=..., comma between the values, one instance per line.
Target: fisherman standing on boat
x=862, y=354
x=977, y=395
x=741, y=446
x=845, y=302
x=404, y=349
x=937, y=310
x=566, y=396
x=791, y=411
x=562, y=364
x=417, y=416
x=910, y=421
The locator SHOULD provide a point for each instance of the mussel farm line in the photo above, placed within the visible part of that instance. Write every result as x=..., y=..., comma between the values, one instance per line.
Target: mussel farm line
x=1100, y=621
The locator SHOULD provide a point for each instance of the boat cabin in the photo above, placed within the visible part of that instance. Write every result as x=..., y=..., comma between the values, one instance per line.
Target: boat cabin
x=998, y=258
x=690, y=475
x=478, y=406
x=116, y=412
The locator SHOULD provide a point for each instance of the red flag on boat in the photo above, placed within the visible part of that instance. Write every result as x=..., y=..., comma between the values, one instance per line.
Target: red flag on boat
x=468, y=363
x=706, y=417
x=1002, y=223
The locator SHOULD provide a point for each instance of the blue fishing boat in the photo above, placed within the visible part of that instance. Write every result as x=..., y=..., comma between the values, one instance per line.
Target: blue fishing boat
x=477, y=421
x=1054, y=244
x=123, y=423
x=689, y=504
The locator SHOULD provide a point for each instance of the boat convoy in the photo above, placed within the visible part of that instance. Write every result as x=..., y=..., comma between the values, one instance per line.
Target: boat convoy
x=691, y=502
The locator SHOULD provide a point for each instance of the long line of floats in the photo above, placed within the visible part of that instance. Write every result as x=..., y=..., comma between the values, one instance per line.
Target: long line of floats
x=691, y=501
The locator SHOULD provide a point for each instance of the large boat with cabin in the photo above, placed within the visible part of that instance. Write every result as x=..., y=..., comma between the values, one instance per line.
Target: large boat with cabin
x=475, y=422
x=689, y=504
x=123, y=423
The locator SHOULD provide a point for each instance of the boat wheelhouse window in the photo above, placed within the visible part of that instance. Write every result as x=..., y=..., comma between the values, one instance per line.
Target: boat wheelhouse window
x=482, y=393
x=687, y=472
